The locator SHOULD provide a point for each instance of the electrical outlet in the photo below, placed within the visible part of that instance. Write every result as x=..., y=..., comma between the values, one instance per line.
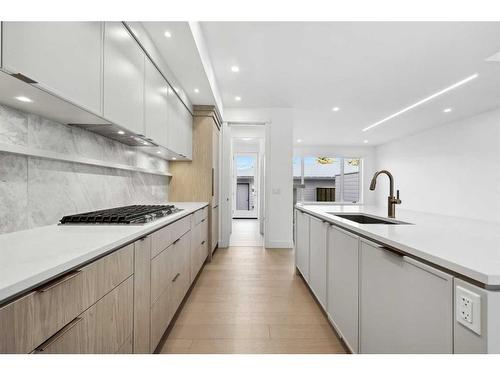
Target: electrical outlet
x=468, y=309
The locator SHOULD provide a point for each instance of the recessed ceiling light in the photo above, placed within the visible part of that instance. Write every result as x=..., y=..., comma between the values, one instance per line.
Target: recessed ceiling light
x=158, y=152
x=299, y=140
x=196, y=91
x=235, y=68
x=167, y=34
x=174, y=158
x=145, y=143
x=121, y=132
x=365, y=141
x=425, y=100
x=237, y=98
x=247, y=139
x=23, y=99
x=494, y=58
x=335, y=109
x=447, y=110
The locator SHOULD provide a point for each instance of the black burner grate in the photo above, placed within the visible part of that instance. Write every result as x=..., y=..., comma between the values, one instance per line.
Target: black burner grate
x=136, y=214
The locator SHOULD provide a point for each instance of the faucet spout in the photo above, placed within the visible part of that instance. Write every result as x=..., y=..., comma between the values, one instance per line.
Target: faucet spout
x=391, y=199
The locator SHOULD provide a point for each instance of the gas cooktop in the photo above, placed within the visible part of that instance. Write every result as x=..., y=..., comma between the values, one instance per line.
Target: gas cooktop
x=136, y=214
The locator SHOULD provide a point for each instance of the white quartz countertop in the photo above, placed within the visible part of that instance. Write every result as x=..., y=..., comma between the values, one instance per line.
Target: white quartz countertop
x=467, y=247
x=31, y=257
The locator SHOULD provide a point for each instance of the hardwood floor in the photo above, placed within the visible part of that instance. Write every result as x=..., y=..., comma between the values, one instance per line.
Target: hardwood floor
x=245, y=232
x=249, y=300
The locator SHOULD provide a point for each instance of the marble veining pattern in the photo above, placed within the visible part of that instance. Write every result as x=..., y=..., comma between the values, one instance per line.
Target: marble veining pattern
x=36, y=192
x=13, y=126
x=13, y=192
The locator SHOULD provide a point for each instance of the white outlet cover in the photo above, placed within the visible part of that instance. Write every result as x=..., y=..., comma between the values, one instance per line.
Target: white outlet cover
x=472, y=320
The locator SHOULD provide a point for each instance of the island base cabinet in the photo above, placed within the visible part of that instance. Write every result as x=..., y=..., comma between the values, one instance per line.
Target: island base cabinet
x=343, y=306
x=302, y=244
x=317, y=259
x=105, y=328
x=405, y=305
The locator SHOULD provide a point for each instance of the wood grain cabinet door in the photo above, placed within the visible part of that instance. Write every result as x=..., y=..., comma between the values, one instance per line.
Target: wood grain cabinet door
x=102, y=329
x=29, y=321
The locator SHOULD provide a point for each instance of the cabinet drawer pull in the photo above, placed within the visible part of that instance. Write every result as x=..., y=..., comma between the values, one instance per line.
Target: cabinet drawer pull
x=176, y=276
x=59, y=334
x=177, y=240
x=59, y=281
x=203, y=220
x=202, y=242
x=392, y=251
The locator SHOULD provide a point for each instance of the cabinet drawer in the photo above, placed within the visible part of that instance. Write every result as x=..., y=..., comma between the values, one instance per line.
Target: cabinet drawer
x=32, y=319
x=180, y=227
x=164, y=237
x=102, y=329
x=162, y=312
x=200, y=215
x=163, y=269
x=170, y=276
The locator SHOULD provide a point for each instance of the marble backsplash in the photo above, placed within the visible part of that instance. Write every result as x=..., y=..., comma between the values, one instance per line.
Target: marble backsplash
x=36, y=192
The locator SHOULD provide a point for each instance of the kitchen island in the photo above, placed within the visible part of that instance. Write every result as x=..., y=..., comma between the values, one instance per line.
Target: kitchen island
x=401, y=287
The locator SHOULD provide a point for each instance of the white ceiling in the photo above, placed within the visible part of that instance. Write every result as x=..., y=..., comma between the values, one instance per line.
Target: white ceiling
x=369, y=70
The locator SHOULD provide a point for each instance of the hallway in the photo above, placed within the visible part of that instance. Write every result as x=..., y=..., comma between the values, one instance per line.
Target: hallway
x=249, y=300
x=245, y=232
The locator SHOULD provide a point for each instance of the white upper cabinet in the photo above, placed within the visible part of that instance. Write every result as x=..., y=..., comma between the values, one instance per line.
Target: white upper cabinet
x=64, y=58
x=180, y=125
x=156, y=105
x=406, y=306
x=317, y=259
x=123, y=78
x=343, y=306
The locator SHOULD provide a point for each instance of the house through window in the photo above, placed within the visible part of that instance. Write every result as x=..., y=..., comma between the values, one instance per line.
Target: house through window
x=327, y=179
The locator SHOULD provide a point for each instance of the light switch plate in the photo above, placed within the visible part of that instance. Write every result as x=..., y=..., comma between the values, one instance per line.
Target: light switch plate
x=468, y=309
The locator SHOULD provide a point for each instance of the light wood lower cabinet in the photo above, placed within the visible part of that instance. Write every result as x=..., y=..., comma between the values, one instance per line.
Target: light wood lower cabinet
x=104, y=328
x=199, y=246
x=120, y=303
x=170, y=280
x=29, y=321
x=142, y=294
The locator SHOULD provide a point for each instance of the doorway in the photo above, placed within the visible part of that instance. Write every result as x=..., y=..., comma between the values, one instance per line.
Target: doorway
x=245, y=181
x=244, y=154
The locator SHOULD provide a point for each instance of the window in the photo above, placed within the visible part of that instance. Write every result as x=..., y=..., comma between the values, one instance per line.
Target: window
x=327, y=179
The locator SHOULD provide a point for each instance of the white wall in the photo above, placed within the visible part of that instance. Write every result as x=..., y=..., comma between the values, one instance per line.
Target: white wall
x=278, y=169
x=367, y=153
x=452, y=169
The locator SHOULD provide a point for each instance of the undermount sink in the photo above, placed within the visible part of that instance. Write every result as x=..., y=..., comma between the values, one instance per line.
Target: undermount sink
x=367, y=219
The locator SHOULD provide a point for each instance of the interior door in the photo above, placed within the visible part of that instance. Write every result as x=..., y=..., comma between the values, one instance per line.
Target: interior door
x=243, y=196
x=246, y=185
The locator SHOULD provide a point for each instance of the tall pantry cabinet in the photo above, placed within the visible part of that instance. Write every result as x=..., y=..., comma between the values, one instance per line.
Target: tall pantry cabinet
x=198, y=180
